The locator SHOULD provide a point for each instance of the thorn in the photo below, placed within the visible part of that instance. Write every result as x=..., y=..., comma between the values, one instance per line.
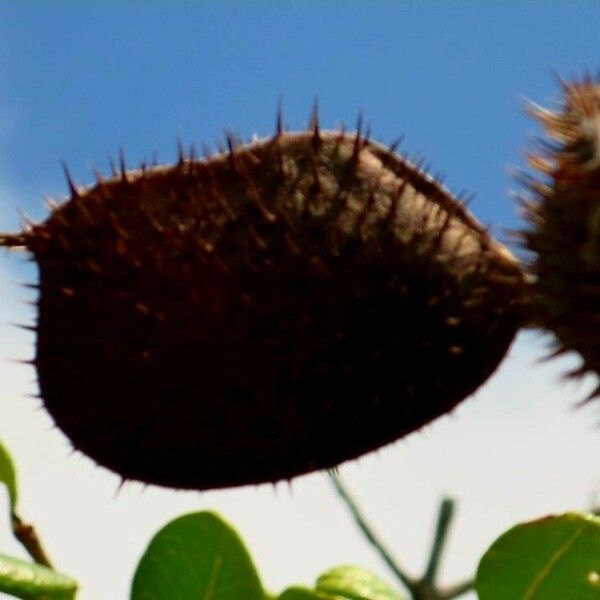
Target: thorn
x=466, y=198
x=122, y=165
x=443, y=229
x=29, y=302
x=27, y=221
x=98, y=176
x=359, y=121
x=180, y=152
x=51, y=204
x=279, y=119
x=357, y=139
x=192, y=152
x=315, y=173
x=281, y=168
x=231, y=145
x=231, y=141
x=524, y=179
x=214, y=192
x=255, y=196
x=67, y=291
x=593, y=395
x=547, y=147
x=19, y=240
x=24, y=326
x=559, y=80
x=113, y=169
x=116, y=225
x=439, y=177
x=576, y=373
x=539, y=163
x=396, y=199
x=142, y=308
x=257, y=239
x=154, y=159
x=70, y=182
x=314, y=125
x=206, y=152
x=367, y=136
x=120, y=486
x=546, y=117
x=22, y=361
x=418, y=163
x=340, y=138
x=292, y=244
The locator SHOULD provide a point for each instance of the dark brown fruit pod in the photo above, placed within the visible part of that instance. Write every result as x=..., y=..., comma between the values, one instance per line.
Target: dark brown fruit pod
x=562, y=207
x=270, y=310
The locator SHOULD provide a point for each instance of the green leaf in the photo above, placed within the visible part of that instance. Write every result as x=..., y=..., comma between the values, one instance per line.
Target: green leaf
x=196, y=556
x=549, y=559
x=8, y=475
x=34, y=582
x=301, y=593
x=354, y=583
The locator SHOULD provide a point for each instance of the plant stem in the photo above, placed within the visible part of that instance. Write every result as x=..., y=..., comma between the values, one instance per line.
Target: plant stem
x=12, y=240
x=445, y=514
x=27, y=535
x=369, y=533
x=425, y=587
x=457, y=590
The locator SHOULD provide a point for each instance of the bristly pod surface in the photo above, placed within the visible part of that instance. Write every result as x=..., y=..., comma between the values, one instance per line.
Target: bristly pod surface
x=264, y=312
x=562, y=207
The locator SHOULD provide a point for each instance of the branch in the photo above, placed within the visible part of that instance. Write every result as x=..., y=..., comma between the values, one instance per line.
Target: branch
x=12, y=240
x=27, y=535
x=457, y=590
x=425, y=587
x=368, y=532
x=445, y=514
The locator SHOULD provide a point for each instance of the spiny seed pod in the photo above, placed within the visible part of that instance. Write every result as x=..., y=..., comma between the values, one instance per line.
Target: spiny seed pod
x=563, y=210
x=274, y=309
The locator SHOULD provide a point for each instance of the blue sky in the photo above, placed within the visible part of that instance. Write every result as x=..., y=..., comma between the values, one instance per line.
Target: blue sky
x=78, y=81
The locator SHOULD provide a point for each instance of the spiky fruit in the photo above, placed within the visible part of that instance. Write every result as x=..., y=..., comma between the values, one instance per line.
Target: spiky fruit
x=563, y=210
x=264, y=312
